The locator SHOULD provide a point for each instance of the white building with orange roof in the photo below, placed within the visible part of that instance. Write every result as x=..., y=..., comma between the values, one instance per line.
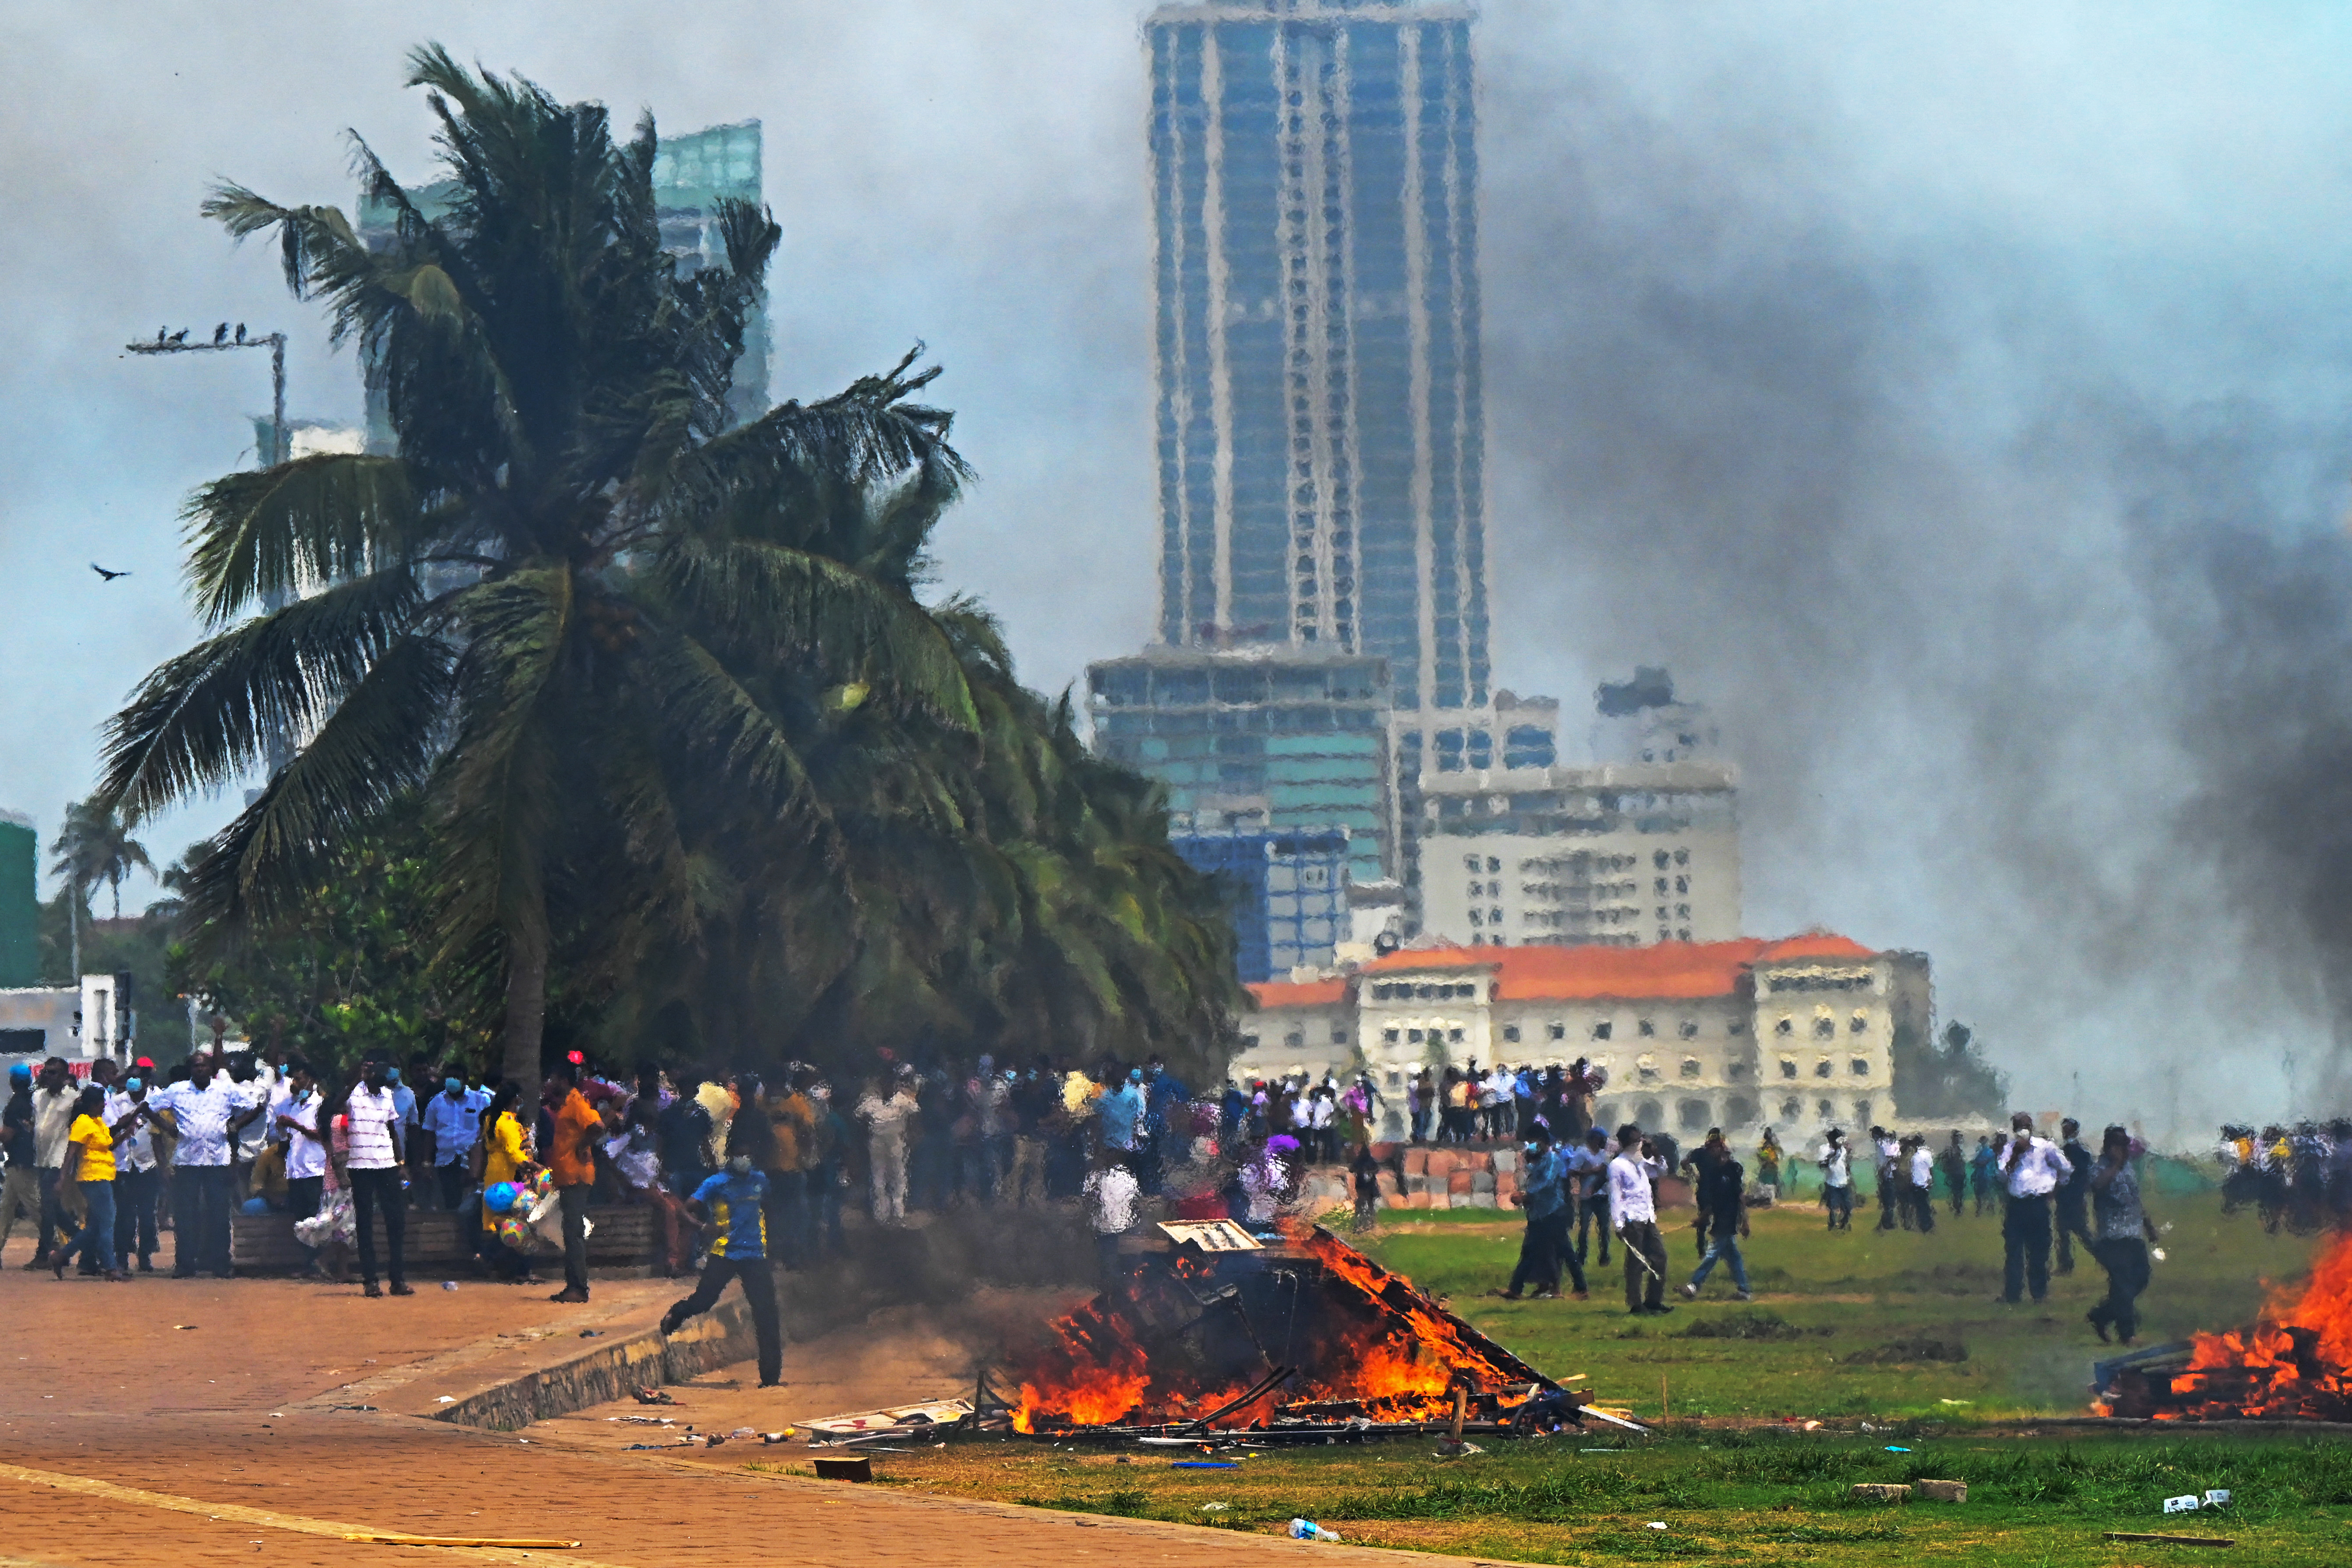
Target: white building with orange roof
x=1798, y=1034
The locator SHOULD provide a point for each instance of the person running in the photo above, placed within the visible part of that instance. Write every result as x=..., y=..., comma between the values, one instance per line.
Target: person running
x=2124, y=1234
x=2031, y=1170
x=1633, y=1204
x=1983, y=1167
x=1836, y=1162
x=734, y=1204
x=2073, y=1197
x=1722, y=1196
x=373, y=1124
x=1698, y=1161
x=88, y=1166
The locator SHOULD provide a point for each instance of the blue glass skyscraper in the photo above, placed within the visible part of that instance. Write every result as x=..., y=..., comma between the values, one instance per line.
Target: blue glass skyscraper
x=1320, y=436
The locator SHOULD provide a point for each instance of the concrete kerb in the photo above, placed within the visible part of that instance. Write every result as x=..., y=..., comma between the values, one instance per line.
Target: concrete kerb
x=647, y=1358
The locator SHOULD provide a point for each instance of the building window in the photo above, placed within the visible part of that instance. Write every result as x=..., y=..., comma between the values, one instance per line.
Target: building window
x=1494, y=917
x=1470, y=862
x=1859, y=1024
x=1688, y=1029
x=1601, y=1030
x=1792, y=1109
x=1662, y=887
x=1659, y=859
x=1787, y=1068
x=1477, y=889
x=1646, y=1070
x=1735, y=1027
x=1388, y=1037
x=1822, y=1108
x=1453, y=1035
x=1682, y=911
x=1681, y=857
x=1825, y=1029
x=1414, y=1036
x=1785, y=1026
x=1476, y=918
x=1339, y=1034
x=1493, y=864
x=1681, y=885
x=1511, y=1033
x=1559, y=1030
x=1691, y=1067
x=1249, y=1042
x=1859, y=1068
x=1646, y=1029
x=1295, y=1040
x=1735, y=1071
x=1821, y=1068
x=1861, y=1113
x=1683, y=935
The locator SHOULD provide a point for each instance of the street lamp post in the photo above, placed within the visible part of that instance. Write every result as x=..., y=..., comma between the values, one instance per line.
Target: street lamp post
x=223, y=343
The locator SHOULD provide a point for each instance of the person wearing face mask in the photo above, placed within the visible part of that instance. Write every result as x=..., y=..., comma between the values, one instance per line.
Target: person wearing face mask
x=1542, y=1196
x=204, y=1110
x=453, y=1119
x=136, y=1178
x=296, y=1125
x=734, y=1204
x=376, y=1130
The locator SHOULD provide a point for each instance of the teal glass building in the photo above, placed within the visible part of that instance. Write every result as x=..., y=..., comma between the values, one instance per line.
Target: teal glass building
x=1319, y=432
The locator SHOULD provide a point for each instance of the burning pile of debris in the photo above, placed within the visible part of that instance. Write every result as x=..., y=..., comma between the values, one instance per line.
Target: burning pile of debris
x=1209, y=1329
x=2293, y=1364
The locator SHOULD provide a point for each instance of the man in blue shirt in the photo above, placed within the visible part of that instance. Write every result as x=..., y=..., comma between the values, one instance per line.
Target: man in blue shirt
x=454, y=1118
x=732, y=1204
x=1543, y=1194
x=1119, y=1115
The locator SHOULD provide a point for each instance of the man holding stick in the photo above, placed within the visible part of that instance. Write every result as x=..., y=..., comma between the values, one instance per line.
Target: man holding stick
x=1635, y=1207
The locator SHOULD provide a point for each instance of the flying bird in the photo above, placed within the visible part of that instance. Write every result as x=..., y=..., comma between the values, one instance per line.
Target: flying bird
x=220, y=334
x=103, y=572
x=180, y=336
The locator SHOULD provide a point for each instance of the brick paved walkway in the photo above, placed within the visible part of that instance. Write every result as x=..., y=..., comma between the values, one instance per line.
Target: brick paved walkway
x=127, y=1439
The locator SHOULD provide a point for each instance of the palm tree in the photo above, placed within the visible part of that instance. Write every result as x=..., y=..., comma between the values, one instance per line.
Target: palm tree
x=93, y=846
x=538, y=610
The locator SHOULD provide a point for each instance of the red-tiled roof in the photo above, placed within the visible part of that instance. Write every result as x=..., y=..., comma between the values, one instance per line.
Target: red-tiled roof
x=1306, y=993
x=1667, y=971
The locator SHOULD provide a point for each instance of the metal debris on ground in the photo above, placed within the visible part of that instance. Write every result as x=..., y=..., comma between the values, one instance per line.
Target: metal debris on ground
x=2170, y=1540
x=918, y=1419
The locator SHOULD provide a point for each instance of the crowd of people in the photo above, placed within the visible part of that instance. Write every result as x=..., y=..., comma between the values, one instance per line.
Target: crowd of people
x=2298, y=1177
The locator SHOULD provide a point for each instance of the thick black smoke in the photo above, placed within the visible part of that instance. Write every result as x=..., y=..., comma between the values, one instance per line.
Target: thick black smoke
x=2034, y=653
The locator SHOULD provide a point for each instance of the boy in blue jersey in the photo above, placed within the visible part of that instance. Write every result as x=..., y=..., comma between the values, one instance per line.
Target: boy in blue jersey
x=731, y=1203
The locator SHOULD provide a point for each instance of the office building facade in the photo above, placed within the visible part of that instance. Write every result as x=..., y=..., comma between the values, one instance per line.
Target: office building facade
x=1321, y=433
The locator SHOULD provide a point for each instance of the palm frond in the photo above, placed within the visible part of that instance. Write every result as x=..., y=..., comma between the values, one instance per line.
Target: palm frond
x=277, y=530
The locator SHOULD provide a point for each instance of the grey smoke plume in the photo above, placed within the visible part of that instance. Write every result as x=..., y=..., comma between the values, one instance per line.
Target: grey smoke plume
x=2002, y=539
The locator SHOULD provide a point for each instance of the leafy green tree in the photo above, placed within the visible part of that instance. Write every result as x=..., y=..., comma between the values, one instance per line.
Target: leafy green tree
x=1950, y=1080
x=93, y=846
x=532, y=612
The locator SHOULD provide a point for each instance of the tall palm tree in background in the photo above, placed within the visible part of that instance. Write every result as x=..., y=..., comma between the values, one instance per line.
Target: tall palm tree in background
x=540, y=610
x=93, y=846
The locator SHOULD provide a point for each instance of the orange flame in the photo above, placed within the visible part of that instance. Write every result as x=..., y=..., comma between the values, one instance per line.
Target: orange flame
x=2295, y=1361
x=1378, y=1346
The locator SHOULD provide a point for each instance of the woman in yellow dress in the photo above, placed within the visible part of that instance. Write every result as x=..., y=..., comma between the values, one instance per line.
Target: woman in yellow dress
x=506, y=1157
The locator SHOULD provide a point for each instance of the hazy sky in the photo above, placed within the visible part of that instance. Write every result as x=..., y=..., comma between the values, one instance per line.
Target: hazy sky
x=1952, y=394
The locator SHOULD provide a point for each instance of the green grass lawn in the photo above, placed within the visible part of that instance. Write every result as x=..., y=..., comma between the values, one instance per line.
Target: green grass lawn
x=1864, y=1322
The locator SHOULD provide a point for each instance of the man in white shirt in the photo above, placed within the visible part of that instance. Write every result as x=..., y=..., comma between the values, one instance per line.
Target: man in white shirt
x=1921, y=1161
x=203, y=1108
x=1836, y=1162
x=136, y=1179
x=375, y=1127
x=1887, y=1166
x=1111, y=1194
x=295, y=1121
x=1635, y=1207
x=2031, y=1170
x=53, y=1093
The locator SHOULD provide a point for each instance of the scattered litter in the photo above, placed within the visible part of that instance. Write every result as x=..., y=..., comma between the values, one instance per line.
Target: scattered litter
x=655, y=1396
x=1214, y=1507
x=448, y=1284
x=183, y=1325
x=1308, y=1530
x=1122, y=1460
x=444, y=1399
x=1204, y=1465
x=585, y=1333
x=744, y=1432
x=1812, y=1426
x=1879, y=1491
x=1456, y=1448
x=1893, y=1448
x=897, y=1421
x=632, y=1447
x=2171, y=1540
x=351, y=1407
x=1657, y=1524
x=2186, y=1503
x=1944, y=1492
x=1956, y=1402
x=2158, y=1253
x=2217, y=1499
x=1868, y=1427
x=783, y=1437
x=645, y=1420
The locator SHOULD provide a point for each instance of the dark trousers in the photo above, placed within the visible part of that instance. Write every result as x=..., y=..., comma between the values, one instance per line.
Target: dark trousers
x=1539, y=1253
x=200, y=1205
x=759, y=1290
x=2073, y=1220
x=1923, y=1208
x=134, y=1213
x=1644, y=1286
x=372, y=1191
x=1838, y=1201
x=453, y=1179
x=1887, y=1206
x=1592, y=1213
x=2126, y=1261
x=2025, y=1247
x=573, y=1202
x=787, y=1213
x=55, y=1221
